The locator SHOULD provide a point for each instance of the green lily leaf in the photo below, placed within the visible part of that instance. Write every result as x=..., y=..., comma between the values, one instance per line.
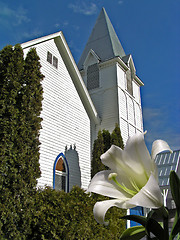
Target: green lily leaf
x=175, y=189
x=133, y=233
x=139, y=219
x=154, y=227
x=160, y=212
x=176, y=227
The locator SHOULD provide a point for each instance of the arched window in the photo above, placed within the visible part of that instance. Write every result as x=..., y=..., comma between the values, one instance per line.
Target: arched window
x=61, y=173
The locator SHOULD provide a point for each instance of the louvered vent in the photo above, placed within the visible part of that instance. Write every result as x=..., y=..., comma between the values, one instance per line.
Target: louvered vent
x=93, y=77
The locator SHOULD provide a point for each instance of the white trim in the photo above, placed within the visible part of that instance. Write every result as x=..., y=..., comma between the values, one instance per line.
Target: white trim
x=40, y=40
x=91, y=52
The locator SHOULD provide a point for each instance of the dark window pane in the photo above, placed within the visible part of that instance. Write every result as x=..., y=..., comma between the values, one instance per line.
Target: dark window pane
x=63, y=183
x=129, y=82
x=60, y=182
x=93, y=77
x=49, y=57
x=55, y=62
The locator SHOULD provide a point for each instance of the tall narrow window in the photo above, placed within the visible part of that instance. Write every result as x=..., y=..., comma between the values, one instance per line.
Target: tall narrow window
x=55, y=62
x=61, y=173
x=49, y=57
x=129, y=82
x=93, y=76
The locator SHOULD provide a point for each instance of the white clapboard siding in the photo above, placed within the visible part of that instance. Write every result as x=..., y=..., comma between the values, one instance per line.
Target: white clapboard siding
x=122, y=104
x=121, y=77
x=132, y=130
x=138, y=116
x=136, y=92
x=130, y=106
x=65, y=121
x=124, y=130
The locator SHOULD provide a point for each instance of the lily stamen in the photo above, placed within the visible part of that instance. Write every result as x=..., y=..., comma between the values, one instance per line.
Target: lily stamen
x=135, y=185
x=112, y=176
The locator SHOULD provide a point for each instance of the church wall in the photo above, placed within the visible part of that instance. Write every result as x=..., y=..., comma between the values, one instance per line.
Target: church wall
x=130, y=114
x=105, y=98
x=136, y=92
x=65, y=121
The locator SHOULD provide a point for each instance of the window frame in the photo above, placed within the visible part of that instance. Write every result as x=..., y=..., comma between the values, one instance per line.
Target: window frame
x=53, y=60
x=66, y=174
x=49, y=57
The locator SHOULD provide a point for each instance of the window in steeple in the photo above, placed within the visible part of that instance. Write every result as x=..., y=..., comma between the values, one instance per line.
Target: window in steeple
x=129, y=82
x=93, y=76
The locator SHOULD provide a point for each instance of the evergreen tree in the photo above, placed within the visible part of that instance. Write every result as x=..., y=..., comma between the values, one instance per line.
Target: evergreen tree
x=20, y=92
x=11, y=70
x=116, y=138
x=30, y=122
x=98, y=150
x=106, y=139
x=101, y=145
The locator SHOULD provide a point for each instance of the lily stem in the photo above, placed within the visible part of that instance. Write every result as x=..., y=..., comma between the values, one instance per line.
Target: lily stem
x=166, y=223
x=166, y=228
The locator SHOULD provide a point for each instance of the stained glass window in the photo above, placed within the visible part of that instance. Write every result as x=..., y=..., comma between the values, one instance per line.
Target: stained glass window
x=61, y=175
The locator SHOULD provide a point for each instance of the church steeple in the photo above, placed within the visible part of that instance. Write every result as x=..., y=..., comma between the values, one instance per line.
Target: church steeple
x=110, y=78
x=103, y=41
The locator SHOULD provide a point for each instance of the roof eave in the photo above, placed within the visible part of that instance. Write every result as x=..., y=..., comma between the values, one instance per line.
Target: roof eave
x=138, y=80
x=40, y=40
x=76, y=77
x=124, y=66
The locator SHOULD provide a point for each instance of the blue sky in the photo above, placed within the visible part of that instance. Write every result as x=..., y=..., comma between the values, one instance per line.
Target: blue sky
x=149, y=30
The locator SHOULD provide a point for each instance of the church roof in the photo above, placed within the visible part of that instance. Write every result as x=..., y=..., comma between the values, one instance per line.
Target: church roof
x=103, y=41
x=72, y=69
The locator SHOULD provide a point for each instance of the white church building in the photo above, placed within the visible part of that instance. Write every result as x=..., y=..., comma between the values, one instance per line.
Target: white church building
x=80, y=99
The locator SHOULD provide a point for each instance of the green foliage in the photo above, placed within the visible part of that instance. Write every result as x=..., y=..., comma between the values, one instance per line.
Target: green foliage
x=98, y=150
x=102, y=144
x=27, y=213
x=116, y=138
x=60, y=215
x=20, y=106
x=133, y=233
x=106, y=140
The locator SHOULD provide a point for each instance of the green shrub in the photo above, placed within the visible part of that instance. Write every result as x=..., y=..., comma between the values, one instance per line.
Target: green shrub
x=60, y=215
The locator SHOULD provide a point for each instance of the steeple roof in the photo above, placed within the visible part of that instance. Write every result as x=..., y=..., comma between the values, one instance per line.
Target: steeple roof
x=103, y=40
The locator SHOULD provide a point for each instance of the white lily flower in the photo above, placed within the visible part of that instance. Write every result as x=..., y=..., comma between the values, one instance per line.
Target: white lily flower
x=132, y=179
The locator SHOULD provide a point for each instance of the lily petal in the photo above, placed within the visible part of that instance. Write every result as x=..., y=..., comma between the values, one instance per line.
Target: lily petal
x=100, y=208
x=137, y=150
x=159, y=146
x=134, y=160
x=149, y=196
x=100, y=184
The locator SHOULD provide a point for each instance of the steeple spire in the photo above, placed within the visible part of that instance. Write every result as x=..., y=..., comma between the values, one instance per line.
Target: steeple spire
x=103, y=40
